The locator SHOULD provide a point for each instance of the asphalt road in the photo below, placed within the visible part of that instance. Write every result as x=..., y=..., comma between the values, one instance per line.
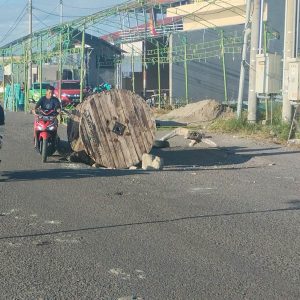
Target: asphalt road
x=215, y=224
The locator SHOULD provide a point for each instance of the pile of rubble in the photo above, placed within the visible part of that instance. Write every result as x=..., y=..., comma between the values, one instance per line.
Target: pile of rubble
x=198, y=112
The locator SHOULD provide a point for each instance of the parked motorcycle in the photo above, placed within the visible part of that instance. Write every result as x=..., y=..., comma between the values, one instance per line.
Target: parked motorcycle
x=45, y=133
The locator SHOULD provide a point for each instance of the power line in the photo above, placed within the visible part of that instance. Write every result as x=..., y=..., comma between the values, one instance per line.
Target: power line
x=231, y=8
x=42, y=22
x=90, y=8
x=53, y=14
x=193, y=16
x=47, y=26
x=16, y=23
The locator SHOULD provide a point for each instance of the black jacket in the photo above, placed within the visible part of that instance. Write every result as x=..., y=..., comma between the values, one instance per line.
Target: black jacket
x=48, y=104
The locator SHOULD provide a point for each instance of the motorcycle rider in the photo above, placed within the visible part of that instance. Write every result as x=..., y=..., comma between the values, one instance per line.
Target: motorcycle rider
x=49, y=102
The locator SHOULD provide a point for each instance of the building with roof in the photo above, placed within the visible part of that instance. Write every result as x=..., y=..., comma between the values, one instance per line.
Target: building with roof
x=98, y=64
x=214, y=33
x=193, y=49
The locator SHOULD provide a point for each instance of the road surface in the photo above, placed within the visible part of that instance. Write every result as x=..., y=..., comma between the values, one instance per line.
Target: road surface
x=218, y=223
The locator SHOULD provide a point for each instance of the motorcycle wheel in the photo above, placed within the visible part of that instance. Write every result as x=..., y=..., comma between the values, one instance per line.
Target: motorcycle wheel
x=44, y=150
x=37, y=146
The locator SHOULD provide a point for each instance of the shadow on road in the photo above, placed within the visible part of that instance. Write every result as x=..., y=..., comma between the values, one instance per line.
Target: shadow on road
x=155, y=222
x=30, y=175
x=206, y=157
x=189, y=157
x=178, y=159
x=259, y=152
x=174, y=158
x=295, y=204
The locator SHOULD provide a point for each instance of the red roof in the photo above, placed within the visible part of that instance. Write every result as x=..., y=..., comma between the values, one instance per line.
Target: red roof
x=161, y=22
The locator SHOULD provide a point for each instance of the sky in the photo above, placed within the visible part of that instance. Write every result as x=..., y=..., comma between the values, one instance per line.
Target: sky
x=15, y=19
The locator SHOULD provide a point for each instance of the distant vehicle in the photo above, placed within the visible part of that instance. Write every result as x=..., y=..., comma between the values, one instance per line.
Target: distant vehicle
x=34, y=91
x=104, y=86
x=70, y=92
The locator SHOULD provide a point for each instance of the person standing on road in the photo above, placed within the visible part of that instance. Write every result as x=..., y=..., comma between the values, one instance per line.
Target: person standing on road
x=49, y=102
x=22, y=97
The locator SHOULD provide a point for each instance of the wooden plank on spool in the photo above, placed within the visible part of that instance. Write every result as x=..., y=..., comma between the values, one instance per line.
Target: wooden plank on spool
x=108, y=150
x=128, y=149
x=109, y=147
x=121, y=148
x=143, y=117
x=115, y=128
x=89, y=133
x=73, y=129
x=138, y=127
x=135, y=138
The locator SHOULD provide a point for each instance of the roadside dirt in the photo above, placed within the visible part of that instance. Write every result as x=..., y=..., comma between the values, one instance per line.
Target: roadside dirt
x=198, y=112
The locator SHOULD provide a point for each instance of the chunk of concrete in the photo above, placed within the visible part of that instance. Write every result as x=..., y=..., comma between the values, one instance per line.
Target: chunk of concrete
x=133, y=168
x=294, y=141
x=152, y=162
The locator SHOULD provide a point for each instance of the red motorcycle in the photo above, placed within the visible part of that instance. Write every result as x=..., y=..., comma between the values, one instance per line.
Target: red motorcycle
x=45, y=132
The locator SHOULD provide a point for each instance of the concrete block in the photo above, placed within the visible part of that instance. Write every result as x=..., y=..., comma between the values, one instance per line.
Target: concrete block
x=152, y=162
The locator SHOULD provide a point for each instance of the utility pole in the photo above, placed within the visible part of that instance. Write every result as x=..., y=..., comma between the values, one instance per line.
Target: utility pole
x=30, y=45
x=261, y=25
x=289, y=52
x=170, y=54
x=61, y=11
x=145, y=58
x=252, y=99
x=82, y=63
x=243, y=61
x=297, y=19
x=186, y=72
x=60, y=67
x=144, y=69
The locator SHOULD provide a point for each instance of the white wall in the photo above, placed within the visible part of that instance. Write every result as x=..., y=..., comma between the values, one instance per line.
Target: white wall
x=205, y=77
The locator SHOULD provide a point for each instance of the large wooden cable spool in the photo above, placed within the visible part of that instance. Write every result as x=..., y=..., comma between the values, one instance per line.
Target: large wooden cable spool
x=114, y=128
